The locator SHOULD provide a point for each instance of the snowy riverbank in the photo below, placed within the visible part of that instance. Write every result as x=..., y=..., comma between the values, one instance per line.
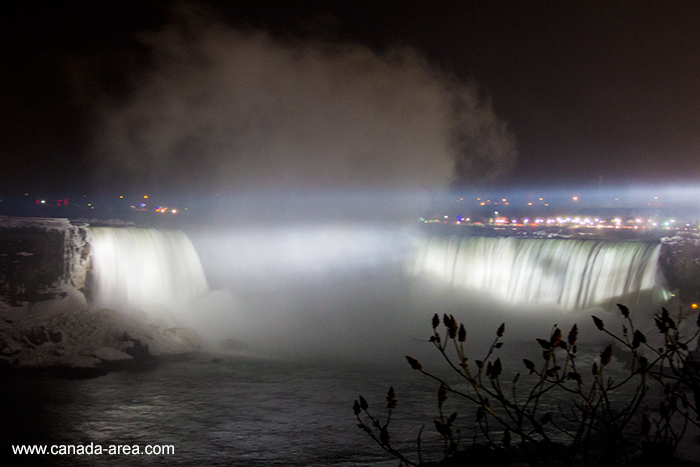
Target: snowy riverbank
x=69, y=337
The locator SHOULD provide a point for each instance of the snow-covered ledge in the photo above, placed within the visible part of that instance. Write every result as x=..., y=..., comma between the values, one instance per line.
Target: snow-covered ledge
x=67, y=336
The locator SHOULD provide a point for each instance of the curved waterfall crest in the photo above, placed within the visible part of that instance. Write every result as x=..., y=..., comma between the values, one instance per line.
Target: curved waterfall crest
x=143, y=268
x=572, y=273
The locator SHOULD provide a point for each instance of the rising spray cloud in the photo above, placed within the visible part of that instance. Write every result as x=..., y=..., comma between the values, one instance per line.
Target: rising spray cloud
x=221, y=109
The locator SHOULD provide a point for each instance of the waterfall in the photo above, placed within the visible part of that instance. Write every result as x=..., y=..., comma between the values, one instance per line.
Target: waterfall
x=144, y=269
x=572, y=273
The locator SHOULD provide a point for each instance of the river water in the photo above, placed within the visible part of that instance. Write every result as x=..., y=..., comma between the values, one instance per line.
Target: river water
x=238, y=412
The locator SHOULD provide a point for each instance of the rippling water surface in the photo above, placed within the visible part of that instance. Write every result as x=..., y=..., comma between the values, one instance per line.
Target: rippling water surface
x=245, y=412
x=239, y=411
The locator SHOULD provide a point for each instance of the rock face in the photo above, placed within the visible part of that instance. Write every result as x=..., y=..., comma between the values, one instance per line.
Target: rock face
x=45, y=320
x=38, y=257
x=680, y=263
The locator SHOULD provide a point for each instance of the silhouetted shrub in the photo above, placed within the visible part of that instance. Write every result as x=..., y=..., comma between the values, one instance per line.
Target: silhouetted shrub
x=606, y=419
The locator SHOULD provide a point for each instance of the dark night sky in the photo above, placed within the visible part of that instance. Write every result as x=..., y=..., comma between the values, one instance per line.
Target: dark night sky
x=104, y=95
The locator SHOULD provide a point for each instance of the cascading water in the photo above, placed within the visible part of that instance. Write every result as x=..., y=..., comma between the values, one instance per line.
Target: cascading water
x=144, y=269
x=575, y=274
x=289, y=291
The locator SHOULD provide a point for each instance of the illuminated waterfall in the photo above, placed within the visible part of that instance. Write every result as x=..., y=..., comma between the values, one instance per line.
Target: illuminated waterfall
x=144, y=269
x=572, y=273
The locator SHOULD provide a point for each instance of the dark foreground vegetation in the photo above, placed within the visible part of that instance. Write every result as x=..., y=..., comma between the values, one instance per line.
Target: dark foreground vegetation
x=634, y=417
